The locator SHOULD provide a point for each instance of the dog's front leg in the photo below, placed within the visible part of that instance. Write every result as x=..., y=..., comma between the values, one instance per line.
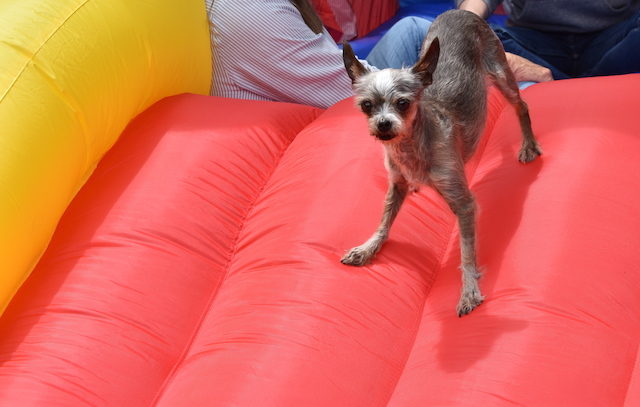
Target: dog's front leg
x=452, y=185
x=361, y=255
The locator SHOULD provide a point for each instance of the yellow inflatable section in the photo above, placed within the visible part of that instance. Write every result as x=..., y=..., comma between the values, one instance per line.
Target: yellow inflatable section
x=73, y=74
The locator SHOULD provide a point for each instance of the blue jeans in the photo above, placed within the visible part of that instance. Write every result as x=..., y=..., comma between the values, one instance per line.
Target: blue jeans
x=401, y=45
x=613, y=51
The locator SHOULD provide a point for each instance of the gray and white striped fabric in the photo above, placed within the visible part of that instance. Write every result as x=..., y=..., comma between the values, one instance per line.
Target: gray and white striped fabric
x=345, y=17
x=263, y=50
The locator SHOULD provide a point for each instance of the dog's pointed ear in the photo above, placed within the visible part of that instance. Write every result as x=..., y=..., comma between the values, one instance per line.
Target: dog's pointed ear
x=354, y=67
x=428, y=62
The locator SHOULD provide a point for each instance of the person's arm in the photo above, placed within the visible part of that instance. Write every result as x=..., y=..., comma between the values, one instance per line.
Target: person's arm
x=478, y=7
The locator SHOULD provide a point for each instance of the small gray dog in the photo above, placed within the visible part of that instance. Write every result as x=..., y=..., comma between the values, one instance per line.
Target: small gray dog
x=430, y=118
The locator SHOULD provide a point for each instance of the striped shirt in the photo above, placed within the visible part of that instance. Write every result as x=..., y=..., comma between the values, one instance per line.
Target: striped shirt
x=345, y=17
x=263, y=50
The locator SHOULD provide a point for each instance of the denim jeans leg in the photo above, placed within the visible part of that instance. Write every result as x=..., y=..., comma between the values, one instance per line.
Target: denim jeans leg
x=614, y=51
x=401, y=45
x=534, y=46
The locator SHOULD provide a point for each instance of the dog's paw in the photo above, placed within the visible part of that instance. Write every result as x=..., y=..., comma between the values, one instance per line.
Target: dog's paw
x=468, y=302
x=356, y=257
x=529, y=152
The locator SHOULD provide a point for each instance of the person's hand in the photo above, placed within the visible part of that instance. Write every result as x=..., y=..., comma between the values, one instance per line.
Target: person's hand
x=525, y=70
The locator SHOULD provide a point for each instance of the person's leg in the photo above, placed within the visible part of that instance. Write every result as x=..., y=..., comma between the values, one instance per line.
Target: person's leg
x=614, y=51
x=401, y=45
x=536, y=47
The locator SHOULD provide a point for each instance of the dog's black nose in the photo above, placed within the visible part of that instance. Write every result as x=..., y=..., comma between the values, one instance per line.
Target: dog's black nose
x=384, y=125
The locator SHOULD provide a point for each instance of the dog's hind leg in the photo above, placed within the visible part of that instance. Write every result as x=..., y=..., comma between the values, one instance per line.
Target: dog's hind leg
x=452, y=185
x=495, y=63
x=361, y=255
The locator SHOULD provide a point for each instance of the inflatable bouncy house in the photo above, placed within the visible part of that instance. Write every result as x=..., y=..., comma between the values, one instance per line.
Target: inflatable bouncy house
x=161, y=247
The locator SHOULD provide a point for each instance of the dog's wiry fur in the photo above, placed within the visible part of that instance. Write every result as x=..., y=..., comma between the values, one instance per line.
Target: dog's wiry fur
x=429, y=118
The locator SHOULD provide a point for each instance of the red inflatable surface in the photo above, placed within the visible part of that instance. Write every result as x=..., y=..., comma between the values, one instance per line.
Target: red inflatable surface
x=200, y=266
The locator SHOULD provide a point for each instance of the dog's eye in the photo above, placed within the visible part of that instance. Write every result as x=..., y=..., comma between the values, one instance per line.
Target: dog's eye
x=403, y=104
x=366, y=106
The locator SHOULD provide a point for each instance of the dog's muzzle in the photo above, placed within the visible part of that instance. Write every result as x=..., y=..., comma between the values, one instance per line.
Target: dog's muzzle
x=383, y=130
x=384, y=125
x=385, y=136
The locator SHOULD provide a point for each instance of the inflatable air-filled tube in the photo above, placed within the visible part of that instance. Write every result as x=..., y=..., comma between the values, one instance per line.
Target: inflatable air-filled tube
x=200, y=266
x=74, y=73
